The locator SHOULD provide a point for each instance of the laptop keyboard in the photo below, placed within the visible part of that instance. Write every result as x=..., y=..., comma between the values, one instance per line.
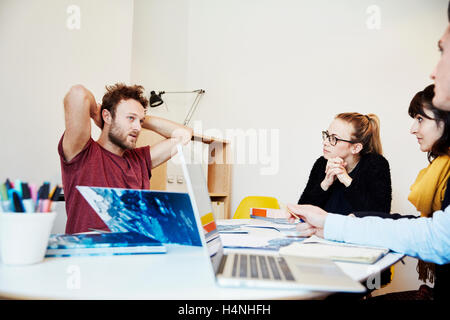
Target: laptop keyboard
x=261, y=267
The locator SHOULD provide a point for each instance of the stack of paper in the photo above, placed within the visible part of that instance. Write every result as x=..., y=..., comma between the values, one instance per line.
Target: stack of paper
x=319, y=248
x=92, y=244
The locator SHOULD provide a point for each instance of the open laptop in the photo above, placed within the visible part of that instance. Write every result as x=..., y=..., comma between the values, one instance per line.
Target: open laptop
x=187, y=219
x=257, y=270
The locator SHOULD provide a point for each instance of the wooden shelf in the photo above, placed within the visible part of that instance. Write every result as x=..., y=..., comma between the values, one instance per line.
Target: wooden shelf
x=218, y=195
x=207, y=139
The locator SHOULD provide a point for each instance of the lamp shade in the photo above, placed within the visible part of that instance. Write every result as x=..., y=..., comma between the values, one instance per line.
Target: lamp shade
x=155, y=99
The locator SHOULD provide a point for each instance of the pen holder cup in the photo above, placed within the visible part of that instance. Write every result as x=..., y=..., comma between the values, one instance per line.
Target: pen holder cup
x=24, y=237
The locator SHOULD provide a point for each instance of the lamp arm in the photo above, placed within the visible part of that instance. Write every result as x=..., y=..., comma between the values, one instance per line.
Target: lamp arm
x=193, y=107
x=198, y=91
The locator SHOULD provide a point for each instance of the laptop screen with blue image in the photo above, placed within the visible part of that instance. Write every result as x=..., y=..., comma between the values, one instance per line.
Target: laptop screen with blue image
x=165, y=216
x=169, y=217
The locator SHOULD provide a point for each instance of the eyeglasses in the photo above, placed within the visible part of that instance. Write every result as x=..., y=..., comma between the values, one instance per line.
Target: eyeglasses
x=332, y=138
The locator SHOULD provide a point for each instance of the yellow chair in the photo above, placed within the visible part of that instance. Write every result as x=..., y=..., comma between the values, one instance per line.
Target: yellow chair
x=243, y=210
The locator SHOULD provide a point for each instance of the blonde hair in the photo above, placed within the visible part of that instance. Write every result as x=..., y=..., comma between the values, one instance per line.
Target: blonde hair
x=366, y=130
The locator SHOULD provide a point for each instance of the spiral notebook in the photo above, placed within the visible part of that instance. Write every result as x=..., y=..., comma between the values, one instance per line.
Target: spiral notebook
x=315, y=247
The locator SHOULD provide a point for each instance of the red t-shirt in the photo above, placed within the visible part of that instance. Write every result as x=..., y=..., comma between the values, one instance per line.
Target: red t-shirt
x=95, y=166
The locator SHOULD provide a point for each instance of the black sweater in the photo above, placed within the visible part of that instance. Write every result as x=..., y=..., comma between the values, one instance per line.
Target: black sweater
x=370, y=189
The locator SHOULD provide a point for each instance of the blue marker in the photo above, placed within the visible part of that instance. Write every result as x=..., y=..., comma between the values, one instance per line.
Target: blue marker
x=8, y=184
x=16, y=201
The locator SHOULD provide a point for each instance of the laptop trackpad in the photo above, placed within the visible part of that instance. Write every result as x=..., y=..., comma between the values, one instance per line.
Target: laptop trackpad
x=330, y=271
x=314, y=267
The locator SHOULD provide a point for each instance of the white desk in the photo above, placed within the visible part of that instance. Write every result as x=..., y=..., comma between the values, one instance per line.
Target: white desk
x=181, y=273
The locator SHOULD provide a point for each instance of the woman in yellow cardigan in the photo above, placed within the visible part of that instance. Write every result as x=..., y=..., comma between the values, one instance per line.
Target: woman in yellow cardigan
x=428, y=192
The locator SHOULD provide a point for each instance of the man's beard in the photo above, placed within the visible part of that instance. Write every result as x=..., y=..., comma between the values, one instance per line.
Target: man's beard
x=117, y=137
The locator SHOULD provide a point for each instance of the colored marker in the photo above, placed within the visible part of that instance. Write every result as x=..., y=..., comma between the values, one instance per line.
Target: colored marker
x=33, y=191
x=50, y=195
x=54, y=196
x=4, y=198
x=9, y=184
x=18, y=187
x=26, y=198
x=42, y=197
x=16, y=201
x=3, y=192
x=39, y=199
x=45, y=200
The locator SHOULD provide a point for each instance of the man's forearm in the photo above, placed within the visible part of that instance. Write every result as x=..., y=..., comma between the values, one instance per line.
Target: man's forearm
x=173, y=132
x=168, y=129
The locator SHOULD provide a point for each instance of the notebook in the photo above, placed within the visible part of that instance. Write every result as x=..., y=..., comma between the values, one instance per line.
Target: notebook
x=95, y=244
x=320, y=248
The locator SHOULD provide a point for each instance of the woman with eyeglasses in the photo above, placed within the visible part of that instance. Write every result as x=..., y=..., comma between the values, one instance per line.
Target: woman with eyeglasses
x=352, y=175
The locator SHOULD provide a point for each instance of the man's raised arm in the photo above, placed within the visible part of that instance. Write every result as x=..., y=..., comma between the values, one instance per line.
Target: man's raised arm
x=79, y=107
x=173, y=132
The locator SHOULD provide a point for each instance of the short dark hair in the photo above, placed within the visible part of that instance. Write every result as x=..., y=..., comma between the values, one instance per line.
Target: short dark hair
x=118, y=92
x=423, y=100
x=448, y=11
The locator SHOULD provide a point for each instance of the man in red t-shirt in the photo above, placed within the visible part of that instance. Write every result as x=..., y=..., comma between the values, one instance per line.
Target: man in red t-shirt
x=113, y=160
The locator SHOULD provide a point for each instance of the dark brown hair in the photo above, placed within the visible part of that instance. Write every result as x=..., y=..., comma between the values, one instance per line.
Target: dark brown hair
x=366, y=130
x=118, y=92
x=423, y=100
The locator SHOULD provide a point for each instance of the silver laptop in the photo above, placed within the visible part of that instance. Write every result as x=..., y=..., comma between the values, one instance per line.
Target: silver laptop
x=257, y=270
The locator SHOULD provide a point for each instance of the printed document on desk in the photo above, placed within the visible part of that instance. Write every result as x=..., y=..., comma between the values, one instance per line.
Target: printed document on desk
x=270, y=224
x=255, y=234
x=316, y=247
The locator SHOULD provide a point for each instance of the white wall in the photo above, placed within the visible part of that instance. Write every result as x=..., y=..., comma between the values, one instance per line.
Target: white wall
x=290, y=66
x=265, y=65
x=160, y=50
x=40, y=58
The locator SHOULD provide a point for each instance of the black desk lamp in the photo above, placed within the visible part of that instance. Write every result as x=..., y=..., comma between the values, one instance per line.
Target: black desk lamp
x=156, y=100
